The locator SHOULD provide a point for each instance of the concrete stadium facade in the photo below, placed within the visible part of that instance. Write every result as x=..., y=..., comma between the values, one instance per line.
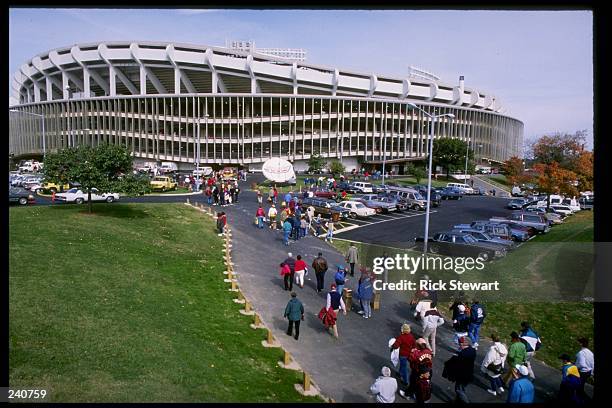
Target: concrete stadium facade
x=162, y=100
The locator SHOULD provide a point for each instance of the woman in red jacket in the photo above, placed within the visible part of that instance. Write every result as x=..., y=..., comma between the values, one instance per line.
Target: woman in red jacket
x=405, y=342
x=285, y=273
x=260, y=214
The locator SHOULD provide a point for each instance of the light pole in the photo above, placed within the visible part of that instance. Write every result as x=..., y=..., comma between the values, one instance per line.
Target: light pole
x=467, y=154
x=42, y=117
x=433, y=118
x=198, y=157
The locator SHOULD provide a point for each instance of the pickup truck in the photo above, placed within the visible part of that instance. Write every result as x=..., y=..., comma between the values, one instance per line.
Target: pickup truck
x=526, y=219
x=163, y=183
x=459, y=244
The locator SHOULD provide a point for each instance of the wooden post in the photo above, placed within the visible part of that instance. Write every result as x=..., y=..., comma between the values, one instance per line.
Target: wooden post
x=234, y=288
x=256, y=320
x=241, y=296
x=286, y=358
x=376, y=301
x=306, y=381
x=270, y=337
x=247, y=306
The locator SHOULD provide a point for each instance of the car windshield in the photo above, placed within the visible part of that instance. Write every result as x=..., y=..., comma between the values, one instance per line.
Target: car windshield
x=159, y=179
x=359, y=205
x=72, y=190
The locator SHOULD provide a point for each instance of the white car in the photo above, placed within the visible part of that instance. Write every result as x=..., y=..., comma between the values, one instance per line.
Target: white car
x=357, y=209
x=363, y=188
x=562, y=209
x=79, y=197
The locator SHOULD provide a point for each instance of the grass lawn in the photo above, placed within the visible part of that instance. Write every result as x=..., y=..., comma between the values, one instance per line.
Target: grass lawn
x=179, y=190
x=498, y=180
x=547, y=281
x=129, y=305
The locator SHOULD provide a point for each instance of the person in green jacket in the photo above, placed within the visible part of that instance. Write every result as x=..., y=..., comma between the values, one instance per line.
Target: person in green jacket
x=517, y=355
x=294, y=311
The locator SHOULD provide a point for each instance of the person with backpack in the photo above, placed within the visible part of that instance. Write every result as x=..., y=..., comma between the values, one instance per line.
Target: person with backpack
x=461, y=323
x=532, y=343
x=335, y=302
x=516, y=356
x=460, y=369
x=320, y=267
x=477, y=316
x=493, y=365
x=570, y=382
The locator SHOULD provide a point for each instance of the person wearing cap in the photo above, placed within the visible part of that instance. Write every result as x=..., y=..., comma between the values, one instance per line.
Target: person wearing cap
x=477, y=316
x=365, y=292
x=290, y=262
x=570, y=381
x=516, y=355
x=420, y=359
x=586, y=364
x=340, y=278
x=521, y=390
x=385, y=387
x=320, y=267
x=460, y=324
x=334, y=301
x=465, y=368
x=405, y=342
x=493, y=364
x=294, y=312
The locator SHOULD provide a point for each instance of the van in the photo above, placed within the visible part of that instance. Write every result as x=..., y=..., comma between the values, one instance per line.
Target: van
x=461, y=186
x=168, y=167
x=414, y=198
x=363, y=188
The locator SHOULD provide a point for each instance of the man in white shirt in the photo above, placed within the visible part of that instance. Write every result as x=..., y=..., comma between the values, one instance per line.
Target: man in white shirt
x=385, y=387
x=585, y=362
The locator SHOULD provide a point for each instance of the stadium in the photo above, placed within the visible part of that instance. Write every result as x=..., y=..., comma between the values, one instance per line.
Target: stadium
x=222, y=106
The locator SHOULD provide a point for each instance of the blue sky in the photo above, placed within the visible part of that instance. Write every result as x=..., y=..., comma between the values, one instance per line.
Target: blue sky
x=538, y=63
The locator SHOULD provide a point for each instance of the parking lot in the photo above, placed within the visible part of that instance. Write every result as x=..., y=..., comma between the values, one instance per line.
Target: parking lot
x=400, y=229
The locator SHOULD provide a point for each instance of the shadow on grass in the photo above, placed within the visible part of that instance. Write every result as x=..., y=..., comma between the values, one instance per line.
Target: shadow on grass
x=105, y=210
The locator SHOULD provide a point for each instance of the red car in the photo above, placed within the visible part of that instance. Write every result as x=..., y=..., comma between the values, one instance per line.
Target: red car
x=326, y=194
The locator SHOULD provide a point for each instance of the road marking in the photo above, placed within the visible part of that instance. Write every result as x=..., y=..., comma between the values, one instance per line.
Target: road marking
x=378, y=222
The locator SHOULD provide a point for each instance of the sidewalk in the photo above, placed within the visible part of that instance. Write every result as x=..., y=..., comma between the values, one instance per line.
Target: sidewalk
x=344, y=368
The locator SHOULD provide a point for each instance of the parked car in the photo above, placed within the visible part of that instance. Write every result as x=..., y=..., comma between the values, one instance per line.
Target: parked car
x=460, y=244
x=163, y=183
x=549, y=214
x=413, y=197
x=450, y=193
x=357, y=209
x=500, y=230
x=562, y=209
x=327, y=208
x=572, y=203
x=516, y=203
x=326, y=193
x=539, y=223
x=586, y=203
x=464, y=188
x=400, y=203
x=436, y=197
x=54, y=187
x=79, y=196
x=524, y=229
x=363, y=187
x=482, y=236
x=372, y=201
x=20, y=196
x=348, y=187
x=202, y=171
x=28, y=182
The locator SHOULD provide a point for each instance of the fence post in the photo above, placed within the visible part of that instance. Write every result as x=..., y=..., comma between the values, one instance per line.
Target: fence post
x=269, y=341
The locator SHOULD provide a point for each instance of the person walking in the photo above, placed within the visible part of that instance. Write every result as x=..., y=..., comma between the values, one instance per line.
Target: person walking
x=516, y=356
x=461, y=323
x=385, y=387
x=405, y=342
x=335, y=302
x=318, y=222
x=294, y=312
x=259, y=198
x=310, y=211
x=493, y=365
x=296, y=226
x=465, y=369
x=300, y=271
x=221, y=222
x=477, y=316
x=352, y=257
x=208, y=193
x=340, y=278
x=422, y=388
x=261, y=215
x=585, y=361
x=521, y=389
x=365, y=292
x=532, y=343
x=570, y=382
x=290, y=262
x=285, y=273
x=330, y=231
x=271, y=196
x=286, y=231
x=431, y=321
x=303, y=227
x=272, y=217
x=420, y=360
x=319, y=265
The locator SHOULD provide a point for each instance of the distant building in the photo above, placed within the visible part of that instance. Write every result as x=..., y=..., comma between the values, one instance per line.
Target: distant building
x=290, y=54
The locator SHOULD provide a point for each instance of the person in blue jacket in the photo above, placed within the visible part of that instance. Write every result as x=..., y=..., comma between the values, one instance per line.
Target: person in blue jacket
x=365, y=291
x=287, y=227
x=477, y=316
x=521, y=389
x=340, y=278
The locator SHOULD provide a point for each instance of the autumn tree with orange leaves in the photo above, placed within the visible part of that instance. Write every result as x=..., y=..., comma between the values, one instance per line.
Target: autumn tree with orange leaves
x=514, y=170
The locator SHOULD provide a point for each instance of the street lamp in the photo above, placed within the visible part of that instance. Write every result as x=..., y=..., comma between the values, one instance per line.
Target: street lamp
x=42, y=117
x=433, y=118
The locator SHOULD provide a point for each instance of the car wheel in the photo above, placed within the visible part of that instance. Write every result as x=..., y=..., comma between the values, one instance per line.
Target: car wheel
x=23, y=200
x=353, y=215
x=434, y=249
x=484, y=256
x=79, y=201
x=110, y=199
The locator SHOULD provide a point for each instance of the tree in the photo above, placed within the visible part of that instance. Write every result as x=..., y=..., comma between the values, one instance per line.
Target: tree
x=562, y=148
x=554, y=179
x=583, y=167
x=315, y=163
x=336, y=168
x=515, y=172
x=104, y=167
x=450, y=154
x=419, y=173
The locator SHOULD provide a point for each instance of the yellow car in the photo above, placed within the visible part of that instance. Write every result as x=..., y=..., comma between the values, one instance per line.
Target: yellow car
x=53, y=187
x=163, y=183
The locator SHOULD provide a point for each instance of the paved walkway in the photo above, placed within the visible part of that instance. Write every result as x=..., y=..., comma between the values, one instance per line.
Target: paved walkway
x=343, y=368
